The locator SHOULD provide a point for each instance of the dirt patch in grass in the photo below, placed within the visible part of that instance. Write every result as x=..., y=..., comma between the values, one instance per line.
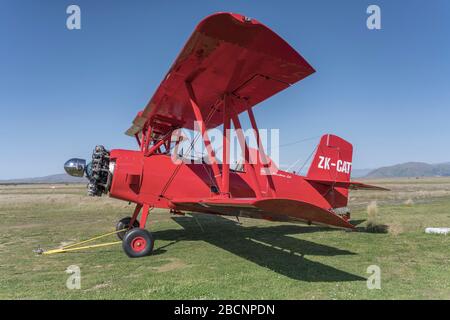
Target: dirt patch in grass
x=26, y=226
x=174, y=264
x=395, y=229
x=99, y=287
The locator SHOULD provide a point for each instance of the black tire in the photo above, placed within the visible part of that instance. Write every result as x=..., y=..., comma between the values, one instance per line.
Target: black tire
x=124, y=223
x=137, y=243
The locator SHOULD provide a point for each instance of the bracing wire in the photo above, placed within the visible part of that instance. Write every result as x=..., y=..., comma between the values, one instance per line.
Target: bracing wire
x=298, y=141
x=307, y=159
x=304, y=163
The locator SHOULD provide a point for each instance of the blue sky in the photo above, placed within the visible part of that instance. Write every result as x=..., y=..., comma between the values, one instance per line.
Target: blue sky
x=61, y=92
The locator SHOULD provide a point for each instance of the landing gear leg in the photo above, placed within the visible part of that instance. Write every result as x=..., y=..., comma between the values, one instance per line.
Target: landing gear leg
x=136, y=212
x=128, y=222
x=138, y=242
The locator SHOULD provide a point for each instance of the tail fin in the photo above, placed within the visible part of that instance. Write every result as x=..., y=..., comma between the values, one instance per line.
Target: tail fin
x=332, y=161
x=330, y=170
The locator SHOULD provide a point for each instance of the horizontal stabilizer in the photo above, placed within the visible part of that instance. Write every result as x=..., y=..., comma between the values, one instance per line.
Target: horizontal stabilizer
x=354, y=185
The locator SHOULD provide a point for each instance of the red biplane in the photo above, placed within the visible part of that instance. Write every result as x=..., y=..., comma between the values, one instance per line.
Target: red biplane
x=229, y=64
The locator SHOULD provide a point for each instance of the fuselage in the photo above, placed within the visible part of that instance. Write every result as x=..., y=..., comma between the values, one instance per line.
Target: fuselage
x=158, y=179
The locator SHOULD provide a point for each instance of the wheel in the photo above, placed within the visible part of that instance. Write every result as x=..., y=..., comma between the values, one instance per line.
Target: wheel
x=124, y=223
x=137, y=243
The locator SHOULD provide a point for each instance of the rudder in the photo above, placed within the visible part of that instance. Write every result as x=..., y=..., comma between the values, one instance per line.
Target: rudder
x=332, y=163
x=332, y=160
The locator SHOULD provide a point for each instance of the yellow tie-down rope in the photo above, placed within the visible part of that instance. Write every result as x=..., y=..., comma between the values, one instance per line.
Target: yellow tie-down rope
x=75, y=246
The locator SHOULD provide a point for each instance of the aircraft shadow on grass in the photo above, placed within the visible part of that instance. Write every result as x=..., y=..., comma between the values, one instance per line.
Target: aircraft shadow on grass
x=269, y=247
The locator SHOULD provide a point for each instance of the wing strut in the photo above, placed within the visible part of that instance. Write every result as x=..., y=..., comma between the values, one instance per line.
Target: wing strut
x=248, y=165
x=262, y=153
x=226, y=147
x=204, y=133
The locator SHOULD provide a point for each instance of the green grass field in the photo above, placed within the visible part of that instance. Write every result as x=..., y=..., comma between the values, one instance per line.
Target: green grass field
x=210, y=257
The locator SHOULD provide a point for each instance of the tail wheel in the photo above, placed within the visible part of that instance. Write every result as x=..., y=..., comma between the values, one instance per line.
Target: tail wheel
x=125, y=224
x=137, y=243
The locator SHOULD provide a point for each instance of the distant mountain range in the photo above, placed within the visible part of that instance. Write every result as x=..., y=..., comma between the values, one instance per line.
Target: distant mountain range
x=360, y=173
x=54, y=178
x=408, y=169
x=411, y=169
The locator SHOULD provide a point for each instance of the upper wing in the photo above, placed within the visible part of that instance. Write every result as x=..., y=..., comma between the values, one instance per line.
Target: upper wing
x=227, y=53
